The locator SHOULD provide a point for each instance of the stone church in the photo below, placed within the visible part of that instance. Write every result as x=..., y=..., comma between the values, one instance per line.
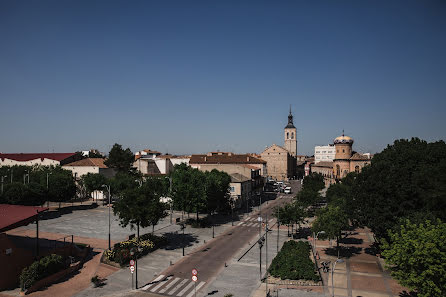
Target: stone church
x=281, y=161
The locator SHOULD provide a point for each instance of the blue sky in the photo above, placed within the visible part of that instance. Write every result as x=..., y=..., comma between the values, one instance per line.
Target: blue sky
x=198, y=76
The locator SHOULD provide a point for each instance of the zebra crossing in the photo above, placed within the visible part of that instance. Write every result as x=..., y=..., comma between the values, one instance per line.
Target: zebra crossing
x=252, y=222
x=173, y=286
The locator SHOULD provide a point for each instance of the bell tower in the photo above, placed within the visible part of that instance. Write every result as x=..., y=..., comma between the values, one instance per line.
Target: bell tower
x=290, y=136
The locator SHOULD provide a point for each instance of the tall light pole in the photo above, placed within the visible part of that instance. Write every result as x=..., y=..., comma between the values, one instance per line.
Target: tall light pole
x=3, y=178
x=314, y=241
x=47, y=178
x=109, y=221
x=278, y=227
x=171, y=201
x=12, y=170
x=332, y=270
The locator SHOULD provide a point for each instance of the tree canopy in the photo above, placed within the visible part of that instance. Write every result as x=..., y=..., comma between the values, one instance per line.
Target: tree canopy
x=120, y=159
x=416, y=256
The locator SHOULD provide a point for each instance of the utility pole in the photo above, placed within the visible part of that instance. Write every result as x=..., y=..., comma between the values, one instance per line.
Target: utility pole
x=278, y=226
x=266, y=255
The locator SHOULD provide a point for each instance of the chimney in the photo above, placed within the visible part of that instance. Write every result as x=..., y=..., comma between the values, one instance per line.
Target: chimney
x=205, y=158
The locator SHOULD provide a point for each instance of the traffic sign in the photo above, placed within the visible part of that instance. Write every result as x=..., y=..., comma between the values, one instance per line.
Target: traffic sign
x=194, y=278
x=132, y=262
x=132, y=268
x=194, y=271
x=259, y=219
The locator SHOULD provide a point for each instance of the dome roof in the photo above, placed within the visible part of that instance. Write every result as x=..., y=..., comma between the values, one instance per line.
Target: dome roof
x=343, y=139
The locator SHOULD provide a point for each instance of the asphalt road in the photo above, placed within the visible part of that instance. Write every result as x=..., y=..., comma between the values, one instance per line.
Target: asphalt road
x=211, y=258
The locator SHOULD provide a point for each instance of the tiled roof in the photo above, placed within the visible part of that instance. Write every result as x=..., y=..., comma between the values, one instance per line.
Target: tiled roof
x=358, y=156
x=151, y=152
x=28, y=157
x=250, y=167
x=89, y=162
x=323, y=164
x=13, y=216
x=238, y=178
x=225, y=159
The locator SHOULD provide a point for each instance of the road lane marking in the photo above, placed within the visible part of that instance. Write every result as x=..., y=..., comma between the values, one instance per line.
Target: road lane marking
x=186, y=288
x=169, y=285
x=196, y=289
x=240, y=223
x=153, y=282
x=159, y=285
x=177, y=287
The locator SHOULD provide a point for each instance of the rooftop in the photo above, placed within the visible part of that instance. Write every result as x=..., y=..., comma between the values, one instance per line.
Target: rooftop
x=33, y=156
x=225, y=158
x=89, y=162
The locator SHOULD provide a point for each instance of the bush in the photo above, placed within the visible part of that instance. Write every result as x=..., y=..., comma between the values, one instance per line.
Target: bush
x=201, y=223
x=293, y=262
x=40, y=269
x=121, y=250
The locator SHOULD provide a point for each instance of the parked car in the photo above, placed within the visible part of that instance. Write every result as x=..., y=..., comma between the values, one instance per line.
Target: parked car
x=287, y=190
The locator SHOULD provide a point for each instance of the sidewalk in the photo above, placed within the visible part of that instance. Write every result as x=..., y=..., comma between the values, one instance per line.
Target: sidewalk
x=362, y=273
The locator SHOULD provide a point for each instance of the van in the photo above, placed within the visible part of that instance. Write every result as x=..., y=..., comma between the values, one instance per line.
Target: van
x=287, y=190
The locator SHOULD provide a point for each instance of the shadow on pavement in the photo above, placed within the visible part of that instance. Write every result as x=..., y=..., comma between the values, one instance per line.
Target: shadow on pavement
x=178, y=240
x=48, y=215
x=344, y=252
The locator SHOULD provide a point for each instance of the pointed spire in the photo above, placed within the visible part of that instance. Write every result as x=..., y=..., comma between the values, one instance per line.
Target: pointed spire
x=342, y=132
x=290, y=109
x=290, y=120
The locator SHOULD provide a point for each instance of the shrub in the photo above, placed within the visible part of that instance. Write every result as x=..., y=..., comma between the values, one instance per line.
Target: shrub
x=201, y=223
x=293, y=262
x=40, y=269
x=121, y=250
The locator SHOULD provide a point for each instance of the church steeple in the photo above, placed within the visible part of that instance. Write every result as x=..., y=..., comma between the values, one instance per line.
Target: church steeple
x=290, y=120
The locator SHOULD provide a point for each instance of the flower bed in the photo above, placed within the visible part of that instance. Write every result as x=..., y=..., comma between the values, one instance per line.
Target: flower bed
x=40, y=269
x=121, y=250
x=293, y=262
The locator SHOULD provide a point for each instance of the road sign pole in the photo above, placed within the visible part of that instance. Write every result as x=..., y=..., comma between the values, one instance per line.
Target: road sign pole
x=195, y=289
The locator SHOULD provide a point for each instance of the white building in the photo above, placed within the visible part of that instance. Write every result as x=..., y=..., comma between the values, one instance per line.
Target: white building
x=151, y=164
x=44, y=159
x=324, y=153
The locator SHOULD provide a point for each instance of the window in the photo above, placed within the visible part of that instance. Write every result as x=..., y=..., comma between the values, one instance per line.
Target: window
x=232, y=189
x=357, y=169
x=343, y=150
x=338, y=170
x=292, y=135
x=287, y=135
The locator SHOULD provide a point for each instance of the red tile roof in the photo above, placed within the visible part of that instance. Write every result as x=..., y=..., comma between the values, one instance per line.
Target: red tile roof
x=225, y=159
x=27, y=157
x=13, y=216
x=94, y=162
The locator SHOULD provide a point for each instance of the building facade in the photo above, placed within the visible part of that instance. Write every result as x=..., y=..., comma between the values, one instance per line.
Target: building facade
x=45, y=159
x=324, y=153
x=290, y=142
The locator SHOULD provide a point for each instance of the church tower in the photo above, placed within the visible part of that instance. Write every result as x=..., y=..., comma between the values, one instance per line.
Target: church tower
x=290, y=136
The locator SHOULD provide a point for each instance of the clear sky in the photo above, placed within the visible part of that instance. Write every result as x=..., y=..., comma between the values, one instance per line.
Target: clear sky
x=199, y=76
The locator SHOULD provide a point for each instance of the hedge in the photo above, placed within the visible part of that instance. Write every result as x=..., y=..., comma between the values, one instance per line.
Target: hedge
x=40, y=269
x=293, y=262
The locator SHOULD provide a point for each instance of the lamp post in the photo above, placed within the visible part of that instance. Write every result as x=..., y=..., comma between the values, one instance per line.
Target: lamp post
x=171, y=201
x=12, y=170
x=47, y=186
x=332, y=270
x=109, y=222
x=3, y=178
x=314, y=241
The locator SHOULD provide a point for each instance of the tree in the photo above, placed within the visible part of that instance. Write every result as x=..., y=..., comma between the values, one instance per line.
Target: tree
x=314, y=182
x=141, y=206
x=217, y=194
x=63, y=187
x=122, y=182
x=416, y=256
x=20, y=194
x=120, y=159
x=333, y=220
x=307, y=197
x=93, y=182
x=405, y=178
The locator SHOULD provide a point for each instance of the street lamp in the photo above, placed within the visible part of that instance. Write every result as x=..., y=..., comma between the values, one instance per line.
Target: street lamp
x=314, y=241
x=3, y=178
x=332, y=270
x=109, y=222
x=171, y=201
x=47, y=178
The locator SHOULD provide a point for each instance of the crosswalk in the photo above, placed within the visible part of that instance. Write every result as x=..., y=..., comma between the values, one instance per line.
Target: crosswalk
x=252, y=222
x=173, y=286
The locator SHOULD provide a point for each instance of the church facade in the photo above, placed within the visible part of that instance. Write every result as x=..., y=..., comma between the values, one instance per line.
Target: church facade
x=281, y=162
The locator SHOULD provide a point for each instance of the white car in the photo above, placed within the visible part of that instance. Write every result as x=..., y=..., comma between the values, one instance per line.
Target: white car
x=287, y=190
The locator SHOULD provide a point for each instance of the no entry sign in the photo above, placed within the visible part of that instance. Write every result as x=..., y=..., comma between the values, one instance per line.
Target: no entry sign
x=132, y=263
x=194, y=271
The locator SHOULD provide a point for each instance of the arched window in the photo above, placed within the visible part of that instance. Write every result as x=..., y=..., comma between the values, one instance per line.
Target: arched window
x=292, y=135
x=343, y=150
x=357, y=169
x=338, y=170
x=287, y=135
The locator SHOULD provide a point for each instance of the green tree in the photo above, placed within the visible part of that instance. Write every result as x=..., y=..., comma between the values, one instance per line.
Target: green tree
x=141, y=206
x=217, y=191
x=122, y=182
x=416, y=256
x=21, y=194
x=313, y=182
x=120, y=159
x=307, y=197
x=63, y=187
x=405, y=178
x=333, y=220
x=93, y=182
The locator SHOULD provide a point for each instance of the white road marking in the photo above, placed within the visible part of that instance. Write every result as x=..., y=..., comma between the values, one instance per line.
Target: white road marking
x=159, y=285
x=169, y=285
x=185, y=289
x=197, y=288
x=153, y=282
x=177, y=287
x=240, y=223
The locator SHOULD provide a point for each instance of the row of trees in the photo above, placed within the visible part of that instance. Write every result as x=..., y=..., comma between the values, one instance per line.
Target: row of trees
x=401, y=197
